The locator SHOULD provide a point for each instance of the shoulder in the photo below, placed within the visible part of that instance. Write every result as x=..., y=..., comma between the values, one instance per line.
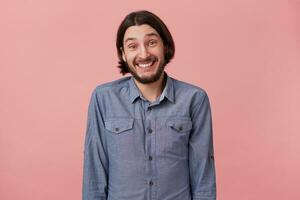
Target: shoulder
x=184, y=88
x=115, y=85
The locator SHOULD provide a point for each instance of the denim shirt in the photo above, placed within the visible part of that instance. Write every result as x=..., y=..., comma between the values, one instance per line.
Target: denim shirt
x=138, y=150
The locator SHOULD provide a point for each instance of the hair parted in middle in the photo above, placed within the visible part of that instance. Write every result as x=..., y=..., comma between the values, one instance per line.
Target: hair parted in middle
x=139, y=18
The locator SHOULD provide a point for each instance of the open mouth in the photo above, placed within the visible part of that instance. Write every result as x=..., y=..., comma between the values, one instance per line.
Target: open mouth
x=145, y=65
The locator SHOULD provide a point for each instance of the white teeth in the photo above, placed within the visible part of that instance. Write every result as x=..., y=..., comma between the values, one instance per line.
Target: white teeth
x=145, y=65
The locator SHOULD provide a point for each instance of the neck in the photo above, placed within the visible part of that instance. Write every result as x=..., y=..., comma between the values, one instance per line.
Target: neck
x=151, y=91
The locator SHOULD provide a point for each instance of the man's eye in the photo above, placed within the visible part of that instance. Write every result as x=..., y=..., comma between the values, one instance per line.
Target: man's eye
x=152, y=43
x=132, y=46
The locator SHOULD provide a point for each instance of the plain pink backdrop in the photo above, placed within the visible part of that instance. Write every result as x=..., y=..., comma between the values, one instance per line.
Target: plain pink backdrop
x=244, y=53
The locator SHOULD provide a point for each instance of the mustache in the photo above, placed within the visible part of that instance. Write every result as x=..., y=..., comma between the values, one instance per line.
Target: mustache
x=148, y=59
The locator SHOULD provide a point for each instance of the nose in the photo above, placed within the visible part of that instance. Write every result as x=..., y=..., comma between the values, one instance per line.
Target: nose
x=143, y=52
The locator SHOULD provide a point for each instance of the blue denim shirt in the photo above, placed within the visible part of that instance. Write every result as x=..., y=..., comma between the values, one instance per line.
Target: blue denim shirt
x=138, y=150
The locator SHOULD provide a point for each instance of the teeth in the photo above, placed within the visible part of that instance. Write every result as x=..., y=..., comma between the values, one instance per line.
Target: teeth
x=145, y=65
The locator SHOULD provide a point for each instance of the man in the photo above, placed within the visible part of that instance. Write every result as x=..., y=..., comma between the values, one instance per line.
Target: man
x=149, y=136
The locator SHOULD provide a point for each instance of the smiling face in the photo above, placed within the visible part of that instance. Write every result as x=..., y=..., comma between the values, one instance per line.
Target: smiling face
x=143, y=51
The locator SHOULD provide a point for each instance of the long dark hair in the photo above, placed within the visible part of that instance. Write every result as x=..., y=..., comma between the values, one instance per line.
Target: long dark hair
x=139, y=18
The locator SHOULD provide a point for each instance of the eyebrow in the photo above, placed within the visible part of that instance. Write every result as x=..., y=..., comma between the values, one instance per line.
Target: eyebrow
x=149, y=34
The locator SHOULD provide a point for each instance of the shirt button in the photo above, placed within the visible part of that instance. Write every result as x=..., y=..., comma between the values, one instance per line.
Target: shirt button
x=117, y=129
x=151, y=183
x=149, y=130
x=180, y=128
x=150, y=158
x=212, y=157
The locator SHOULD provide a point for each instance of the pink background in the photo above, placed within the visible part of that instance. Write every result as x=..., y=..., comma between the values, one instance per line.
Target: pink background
x=246, y=54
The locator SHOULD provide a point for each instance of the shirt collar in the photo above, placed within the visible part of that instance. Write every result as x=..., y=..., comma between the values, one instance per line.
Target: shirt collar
x=167, y=92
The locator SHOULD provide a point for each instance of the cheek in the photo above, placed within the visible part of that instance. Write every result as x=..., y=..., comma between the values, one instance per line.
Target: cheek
x=160, y=52
x=162, y=55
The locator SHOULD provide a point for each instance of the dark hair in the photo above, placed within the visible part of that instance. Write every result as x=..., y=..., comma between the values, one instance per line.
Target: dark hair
x=139, y=18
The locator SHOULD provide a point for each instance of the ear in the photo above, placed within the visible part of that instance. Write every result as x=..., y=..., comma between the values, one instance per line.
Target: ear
x=123, y=55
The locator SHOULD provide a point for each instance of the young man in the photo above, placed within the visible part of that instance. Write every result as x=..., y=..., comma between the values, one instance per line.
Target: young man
x=149, y=136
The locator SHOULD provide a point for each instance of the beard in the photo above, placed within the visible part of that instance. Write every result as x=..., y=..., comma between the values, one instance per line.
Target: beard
x=149, y=79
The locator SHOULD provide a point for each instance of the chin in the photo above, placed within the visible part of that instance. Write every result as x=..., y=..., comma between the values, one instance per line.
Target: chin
x=148, y=79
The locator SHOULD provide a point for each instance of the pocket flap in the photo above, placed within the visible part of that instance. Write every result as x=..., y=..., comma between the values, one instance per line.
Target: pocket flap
x=118, y=125
x=180, y=125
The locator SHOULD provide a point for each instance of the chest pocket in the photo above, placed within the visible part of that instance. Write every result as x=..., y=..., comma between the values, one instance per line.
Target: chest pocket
x=119, y=125
x=177, y=137
x=121, y=137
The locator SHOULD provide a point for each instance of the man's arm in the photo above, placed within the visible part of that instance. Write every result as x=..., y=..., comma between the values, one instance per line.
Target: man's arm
x=95, y=170
x=201, y=153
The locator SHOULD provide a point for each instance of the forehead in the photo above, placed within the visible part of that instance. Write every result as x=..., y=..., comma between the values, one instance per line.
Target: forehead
x=139, y=32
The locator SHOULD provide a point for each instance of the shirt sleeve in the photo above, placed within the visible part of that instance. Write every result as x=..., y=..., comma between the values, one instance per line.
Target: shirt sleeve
x=95, y=169
x=201, y=153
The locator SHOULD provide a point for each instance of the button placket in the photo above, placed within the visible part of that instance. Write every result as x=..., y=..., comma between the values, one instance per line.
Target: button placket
x=150, y=146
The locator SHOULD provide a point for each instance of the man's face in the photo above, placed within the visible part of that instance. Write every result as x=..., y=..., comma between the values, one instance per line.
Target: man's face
x=144, y=53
